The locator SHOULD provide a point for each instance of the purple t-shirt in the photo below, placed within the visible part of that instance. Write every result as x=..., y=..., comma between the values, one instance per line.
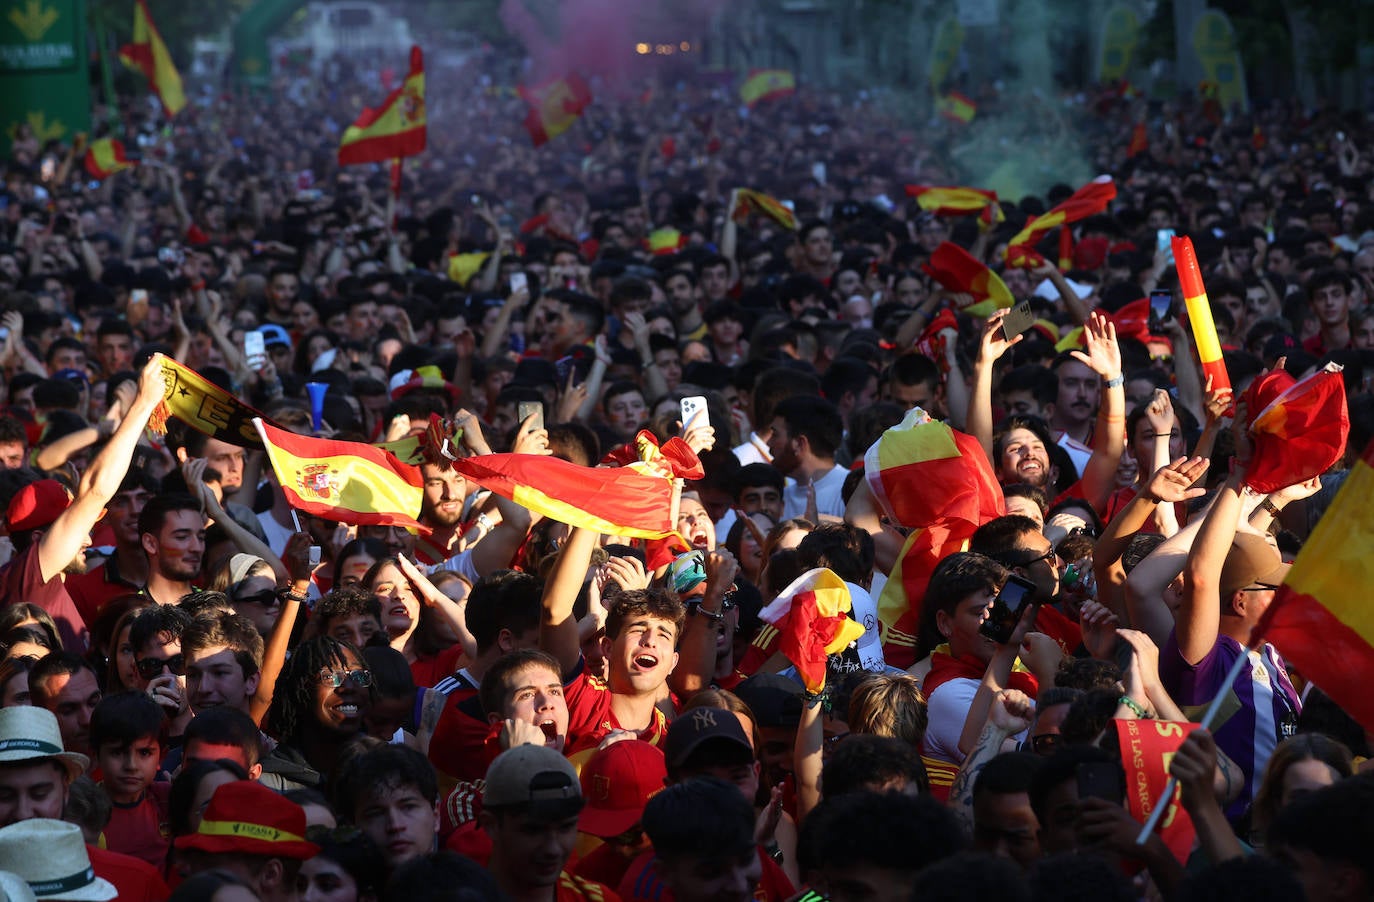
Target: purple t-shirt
x=1261, y=710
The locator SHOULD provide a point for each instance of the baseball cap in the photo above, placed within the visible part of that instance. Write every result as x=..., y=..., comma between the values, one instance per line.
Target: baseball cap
x=1251, y=561
x=695, y=727
x=246, y=817
x=774, y=699
x=30, y=733
x=529, y=774
x=686, y=572
x=617, y=783
x=72, y=375
x=37, y=505
x=274, y=335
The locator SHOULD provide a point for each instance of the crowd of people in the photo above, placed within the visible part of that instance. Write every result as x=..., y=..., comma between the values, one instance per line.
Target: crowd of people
x=205, y=695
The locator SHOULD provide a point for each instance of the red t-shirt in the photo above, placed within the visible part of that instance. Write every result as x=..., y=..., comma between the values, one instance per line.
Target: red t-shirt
x=590, y=716
x=458, y=748
x=22, y=580
x=142, y=830
x=137, y=881
x=94, y=589
x=604, y=865
x=427, y=672
x=642, y=883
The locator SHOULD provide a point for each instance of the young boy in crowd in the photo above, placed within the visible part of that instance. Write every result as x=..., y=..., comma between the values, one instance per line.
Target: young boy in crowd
x=125, y=736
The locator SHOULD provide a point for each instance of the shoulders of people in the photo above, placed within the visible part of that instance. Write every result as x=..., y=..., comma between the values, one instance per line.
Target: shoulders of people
x=571, y=886
x=135, y=879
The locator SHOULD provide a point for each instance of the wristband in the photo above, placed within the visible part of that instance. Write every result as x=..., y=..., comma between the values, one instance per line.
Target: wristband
x=1136, y=709
x=1116, y=382
x=694, y=608
x=1270, y=508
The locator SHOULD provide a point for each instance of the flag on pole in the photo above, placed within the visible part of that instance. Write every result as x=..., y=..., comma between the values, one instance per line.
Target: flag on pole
x=748, y=201
x=956, y=269
x=1087, y=201
x=554, y=106
x=348, y=482
x=106, y=157
x=148, y=54
x=1147, y=747
x=1200, y=315
x=394, y=129
x=767, y=84
x=958, y=201
x=956, y=107
x=1321, y=620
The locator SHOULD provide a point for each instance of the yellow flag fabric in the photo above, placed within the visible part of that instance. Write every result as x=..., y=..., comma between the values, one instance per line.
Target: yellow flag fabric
x=148, y=54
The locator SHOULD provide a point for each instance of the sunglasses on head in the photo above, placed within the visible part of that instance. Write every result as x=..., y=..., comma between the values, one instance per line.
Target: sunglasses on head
x=151, y=668
x=335, y=678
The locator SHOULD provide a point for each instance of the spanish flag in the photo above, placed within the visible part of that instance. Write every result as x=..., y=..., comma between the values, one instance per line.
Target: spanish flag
x=624, y=501
x=348, y=482
x=767, y=84
x=106, y=157
x=958, y=202
x=1087, y=201
x=956, y=107
x=554, y=106
x=955, y=269
x=748, y=201
x=811, y=616
x=666, y=241
x=1299, y=428
x=148, y=54
x=1321, y=620
x=1200, y=315
x=396, y=128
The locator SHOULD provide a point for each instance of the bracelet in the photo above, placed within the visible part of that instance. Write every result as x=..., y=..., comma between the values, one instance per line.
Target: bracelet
x=1116, y=382
x=812, y=699
x=694, y=608
x=292, y=596
x=1270, y=508
x=1136, y=709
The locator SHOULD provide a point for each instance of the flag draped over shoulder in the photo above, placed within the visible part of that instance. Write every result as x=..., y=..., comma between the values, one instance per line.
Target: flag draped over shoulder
x=148, y=54
x=1087, y=201
x=554, y=106
x=767, y=84
x=812, y=624
x=958, y=201
x=613, y=500
x=1299, y=429
x=956, y=269
x=748, y=201
x=937, y=481
x=394, y=129
x=1321, y=620
x=105, y=157
x=349, y=482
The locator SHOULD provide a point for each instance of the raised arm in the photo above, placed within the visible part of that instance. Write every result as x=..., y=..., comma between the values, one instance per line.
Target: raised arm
x=697, y=650
x=993, y=345
x=1103, y=357
x=557, y=627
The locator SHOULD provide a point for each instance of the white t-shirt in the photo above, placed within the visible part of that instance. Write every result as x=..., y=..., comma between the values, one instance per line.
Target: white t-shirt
x=275, y=532
x=828, y=495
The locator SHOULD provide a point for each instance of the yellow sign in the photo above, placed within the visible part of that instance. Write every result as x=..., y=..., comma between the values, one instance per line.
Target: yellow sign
x=1214, y=42
x=42, y=129
x=1120, y=36
x=34, y=20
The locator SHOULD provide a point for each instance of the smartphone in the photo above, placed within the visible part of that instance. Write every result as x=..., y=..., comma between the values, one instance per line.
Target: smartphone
x=1164, y=243
x=818, y=172
x=137, y=310
x=314, y=556
x=525, y=409
x=254, y=349
x=1016, y=593
x=519, y=282
x=1101, y=780
x=693, y=412
x=1161, y=309
x=1017, y=320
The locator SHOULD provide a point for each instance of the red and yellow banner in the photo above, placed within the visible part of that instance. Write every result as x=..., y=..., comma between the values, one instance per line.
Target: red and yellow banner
x=748, y=201
x=148, y=54
x=811, y=618
x=1200, y=315
x=958, y=201
x=1087, y=201
x=767, y=84
x=957, y=270
x=105, y=157
x=1321, y=620
x=1147, y=748
x=396, y=128
x=348, y=482
x=956, y=107
x=1299, y=429
x=554, y=106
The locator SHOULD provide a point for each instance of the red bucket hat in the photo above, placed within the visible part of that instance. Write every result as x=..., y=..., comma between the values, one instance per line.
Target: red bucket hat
x=248, y=818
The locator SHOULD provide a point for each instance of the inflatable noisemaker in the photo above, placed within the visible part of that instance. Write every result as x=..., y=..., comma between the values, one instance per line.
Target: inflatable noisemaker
x=317, y=391
x=1200, y=315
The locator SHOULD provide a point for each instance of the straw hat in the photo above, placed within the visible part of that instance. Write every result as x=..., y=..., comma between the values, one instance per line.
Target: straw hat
x=30, y=733
x=51, y=858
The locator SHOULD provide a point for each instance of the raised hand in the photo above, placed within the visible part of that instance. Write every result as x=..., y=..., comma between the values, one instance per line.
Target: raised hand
x=1174, y=482
x=1103, y=355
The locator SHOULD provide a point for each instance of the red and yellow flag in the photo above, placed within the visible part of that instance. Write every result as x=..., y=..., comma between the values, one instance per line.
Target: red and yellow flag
x=1087, y=201
x=1147, y=747
x=148, y=54
x=1321, y=620
x=767, y=84
x=957, y=201
x=666, y=241
x=955, y=269
x=1140, y=141
x=394, y=129
x=1299, y=429
x=812, y=622
x=348, y=482
x=956, y=107
x=554, y=106
x=1200, y=315
x=748, y=201
x=621, y=501
x=106, y=157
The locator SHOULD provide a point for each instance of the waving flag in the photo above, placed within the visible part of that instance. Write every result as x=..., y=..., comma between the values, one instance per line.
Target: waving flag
x=1147, y=746
x=958, y=202
x=1321, y=620
x=955, y=269
x=148, y=54
x=396, y=128
x=106, y=157
x=811, y=617
x=554, y=106
x=956, y=107
x=938, y=482
x=1200, y=315
x=1087, y=201
x=348, y=482
x=767, y=84
x=1299, y=429
x=205, y=407
x=747, y=201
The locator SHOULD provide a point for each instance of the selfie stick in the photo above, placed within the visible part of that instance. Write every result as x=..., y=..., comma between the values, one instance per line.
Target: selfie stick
x=1206, y=723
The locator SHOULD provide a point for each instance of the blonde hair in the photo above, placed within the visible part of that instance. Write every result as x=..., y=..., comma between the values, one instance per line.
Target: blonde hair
x=892, y=705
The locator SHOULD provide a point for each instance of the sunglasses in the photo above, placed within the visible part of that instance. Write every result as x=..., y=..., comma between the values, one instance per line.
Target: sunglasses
x=1046, y=743
x=267, y=598
x=150, y=668
x=362, y=679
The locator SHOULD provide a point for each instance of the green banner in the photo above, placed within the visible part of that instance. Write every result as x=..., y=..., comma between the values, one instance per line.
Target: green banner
x=43, y=70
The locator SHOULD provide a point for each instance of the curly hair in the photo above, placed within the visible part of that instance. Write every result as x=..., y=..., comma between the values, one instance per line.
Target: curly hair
x=295, y=690
x=658, y=603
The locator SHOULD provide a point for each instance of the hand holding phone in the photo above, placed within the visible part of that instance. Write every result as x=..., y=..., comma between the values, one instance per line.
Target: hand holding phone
x=254, y=349
x=1161, y=309
x=1006, y=609
x=526, y=409
x=1017, y=320
x=693, y=412
x=519, y=282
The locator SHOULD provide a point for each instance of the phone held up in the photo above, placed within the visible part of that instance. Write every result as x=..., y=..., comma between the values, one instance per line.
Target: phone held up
x=1005, y=613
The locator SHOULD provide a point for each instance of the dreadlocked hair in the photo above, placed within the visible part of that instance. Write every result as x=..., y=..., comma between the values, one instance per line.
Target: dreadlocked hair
x=294, y=696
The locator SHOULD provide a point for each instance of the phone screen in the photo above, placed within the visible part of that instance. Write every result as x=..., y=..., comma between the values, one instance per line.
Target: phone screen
x=254, y=348
x=1161, y=305
x=1164, y=242
x=518, y=282
x=1015, y=594
x=525, y=409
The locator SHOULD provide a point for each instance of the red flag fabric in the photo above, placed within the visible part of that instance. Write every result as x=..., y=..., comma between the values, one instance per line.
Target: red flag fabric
x=1065, y=248
x=105, y=157
x=956, y=269
x=1299, y=429
x=810, y=615
x=958, y=201
x=1147, y=747
x=554, y=106
x=1140, y=141
x=1087, y=201
x=749, y=201
x=148, y=53
x=397, y=128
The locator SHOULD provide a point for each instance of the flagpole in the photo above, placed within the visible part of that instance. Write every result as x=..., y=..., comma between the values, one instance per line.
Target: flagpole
x=262, y=434
x=1208, y=717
